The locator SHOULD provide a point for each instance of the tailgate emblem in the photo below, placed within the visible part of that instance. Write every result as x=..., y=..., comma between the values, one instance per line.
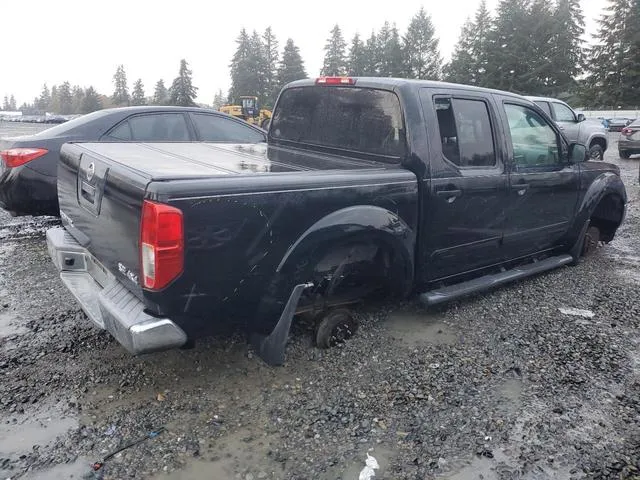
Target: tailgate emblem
x=91, y=170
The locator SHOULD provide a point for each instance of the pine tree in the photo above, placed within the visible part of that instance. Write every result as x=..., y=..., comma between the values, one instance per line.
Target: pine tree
x=54, y=105
x=357, y=63
x=137, y=95
x=77, y=95
x=421, y=52
x=509, y=60
x=462, y=65
x=160, y=94
x=65, y=98
x=258, y=68
x=615, y=59
x=334, y=57
x=5, y=104
x=469, y=60
x=382, y=38
x=12, y=104
x=270, y=49
x=372, y=66
x=183, y=93
x=91, y=101
x=392, y=58
x=567, y=52
x=44, y=100
x=121, y=92
x=219, y=100
x=291, y=66
x=241, y=83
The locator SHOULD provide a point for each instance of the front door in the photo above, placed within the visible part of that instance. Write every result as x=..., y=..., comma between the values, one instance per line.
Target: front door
x=464, y=200
x=566, y=120
x=543, y=186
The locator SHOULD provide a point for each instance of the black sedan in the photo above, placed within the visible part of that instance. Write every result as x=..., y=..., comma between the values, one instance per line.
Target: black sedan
x=28, y=164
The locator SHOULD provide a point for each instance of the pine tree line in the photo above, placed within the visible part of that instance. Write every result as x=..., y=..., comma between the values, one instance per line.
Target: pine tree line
x=258, y=70
x=531, y=47
x=65, y=99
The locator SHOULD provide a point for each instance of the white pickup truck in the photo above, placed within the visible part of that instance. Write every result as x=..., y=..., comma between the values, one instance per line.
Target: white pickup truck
x=575, y=126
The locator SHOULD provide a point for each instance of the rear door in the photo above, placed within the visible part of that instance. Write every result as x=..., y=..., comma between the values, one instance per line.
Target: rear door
x=218, y=128
x=464, y=200
x=543, y=186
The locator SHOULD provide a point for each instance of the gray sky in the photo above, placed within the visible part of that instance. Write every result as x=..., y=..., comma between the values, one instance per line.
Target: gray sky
x=79, y=41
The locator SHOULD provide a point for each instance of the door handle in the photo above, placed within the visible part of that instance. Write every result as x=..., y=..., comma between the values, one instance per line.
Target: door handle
x=521, y=188
x=451, y=195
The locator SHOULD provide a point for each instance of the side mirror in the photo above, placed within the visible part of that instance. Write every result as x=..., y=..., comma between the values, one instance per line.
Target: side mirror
x=577, y=153
x=581, y=117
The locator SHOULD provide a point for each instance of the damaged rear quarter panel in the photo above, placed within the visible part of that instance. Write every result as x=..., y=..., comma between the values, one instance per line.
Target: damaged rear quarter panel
x=236, y=240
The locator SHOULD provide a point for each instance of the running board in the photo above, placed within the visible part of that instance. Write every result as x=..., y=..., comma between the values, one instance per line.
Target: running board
x=451, y=292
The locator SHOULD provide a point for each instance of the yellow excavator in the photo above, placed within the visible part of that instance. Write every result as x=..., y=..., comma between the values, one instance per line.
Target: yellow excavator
x=248, y=110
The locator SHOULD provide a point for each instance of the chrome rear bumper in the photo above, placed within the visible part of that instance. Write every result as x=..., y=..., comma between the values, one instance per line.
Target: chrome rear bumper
x=107, y=302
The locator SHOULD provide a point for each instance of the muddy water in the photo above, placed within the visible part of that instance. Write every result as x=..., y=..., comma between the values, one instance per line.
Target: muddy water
x=414, y=328
x=38, y=425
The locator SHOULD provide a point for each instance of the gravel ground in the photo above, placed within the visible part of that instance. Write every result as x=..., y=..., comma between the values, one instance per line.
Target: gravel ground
x=498, y=386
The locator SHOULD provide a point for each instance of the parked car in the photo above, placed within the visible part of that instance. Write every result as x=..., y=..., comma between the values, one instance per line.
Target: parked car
x=575, y=126
x=629, y=141
x=28, y=164
x=617, y=124
x=367, y=186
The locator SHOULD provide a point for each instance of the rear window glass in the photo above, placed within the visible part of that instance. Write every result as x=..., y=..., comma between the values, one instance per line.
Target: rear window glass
x=348, y=118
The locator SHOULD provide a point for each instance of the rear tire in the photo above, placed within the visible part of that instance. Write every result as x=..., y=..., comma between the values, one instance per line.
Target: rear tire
x=596, y=152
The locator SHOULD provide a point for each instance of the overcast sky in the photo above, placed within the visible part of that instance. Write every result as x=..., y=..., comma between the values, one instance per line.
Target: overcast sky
x=83, y=41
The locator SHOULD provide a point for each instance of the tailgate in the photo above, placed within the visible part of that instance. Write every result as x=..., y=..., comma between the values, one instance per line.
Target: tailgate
x=100, y=206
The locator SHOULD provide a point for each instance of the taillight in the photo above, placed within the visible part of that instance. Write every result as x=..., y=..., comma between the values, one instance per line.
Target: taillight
x=626, y=131
x=335, y=81
x=161, y=244
x=14, y=157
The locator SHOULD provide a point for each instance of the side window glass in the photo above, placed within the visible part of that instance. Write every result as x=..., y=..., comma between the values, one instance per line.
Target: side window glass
x=465, y=132
x=563, y=113
x=164, y=127
x=534, y=142
x=121, y=132
x=545, y=106
x=214, y=128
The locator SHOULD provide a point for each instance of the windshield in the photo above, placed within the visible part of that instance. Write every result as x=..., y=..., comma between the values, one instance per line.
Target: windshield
x=356, y=119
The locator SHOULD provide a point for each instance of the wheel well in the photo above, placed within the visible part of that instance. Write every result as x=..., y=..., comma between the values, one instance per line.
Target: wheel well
x=357, y=267
x=608, y=216
x=598, y=141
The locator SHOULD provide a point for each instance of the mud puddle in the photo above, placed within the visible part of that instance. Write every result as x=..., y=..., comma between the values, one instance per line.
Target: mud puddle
x=38, y=427
x=78, y=469
x=10, y=324
x=418, y=328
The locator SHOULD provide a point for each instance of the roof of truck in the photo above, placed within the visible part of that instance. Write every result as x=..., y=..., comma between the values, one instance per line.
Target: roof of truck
x=391, y=82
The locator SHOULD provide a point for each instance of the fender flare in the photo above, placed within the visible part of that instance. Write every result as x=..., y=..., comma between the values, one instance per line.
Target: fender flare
x=361, y=221
x=607, y=183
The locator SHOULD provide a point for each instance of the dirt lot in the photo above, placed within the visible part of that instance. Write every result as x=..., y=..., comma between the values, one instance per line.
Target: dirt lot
x=499, y=386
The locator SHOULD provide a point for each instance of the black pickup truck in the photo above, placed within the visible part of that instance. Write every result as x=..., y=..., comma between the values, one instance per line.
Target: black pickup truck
x=366, y=186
